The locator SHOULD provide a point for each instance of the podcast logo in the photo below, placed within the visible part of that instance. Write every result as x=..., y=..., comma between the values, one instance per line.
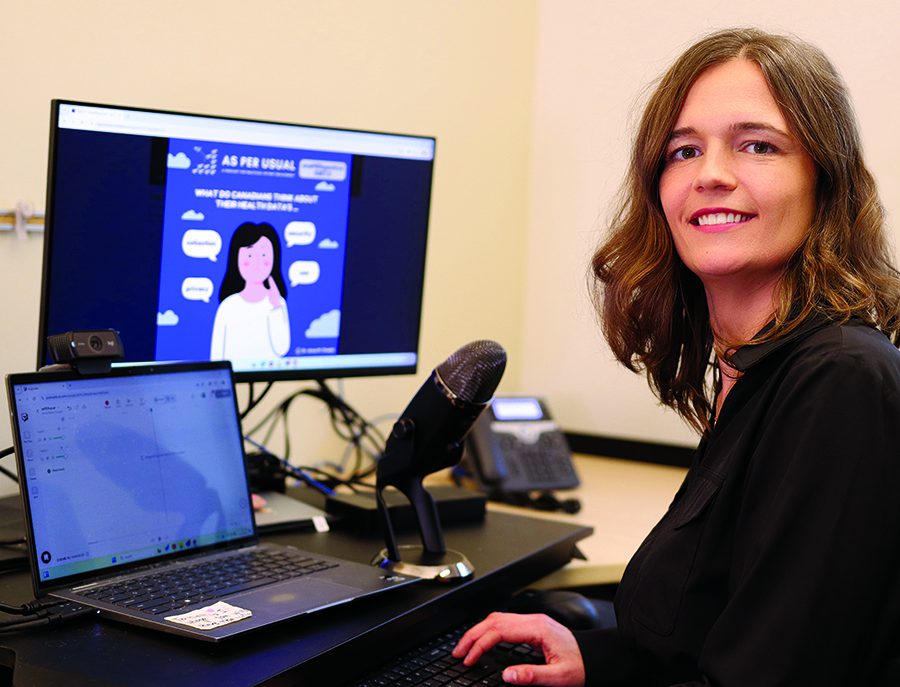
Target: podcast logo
x=209, y=164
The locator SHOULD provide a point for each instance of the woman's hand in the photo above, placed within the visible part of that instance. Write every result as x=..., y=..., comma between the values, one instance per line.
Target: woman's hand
x=272, y=293
x=564, y=665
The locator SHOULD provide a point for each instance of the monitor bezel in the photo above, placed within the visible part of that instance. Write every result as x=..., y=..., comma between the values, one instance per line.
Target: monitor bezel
x=260, y=375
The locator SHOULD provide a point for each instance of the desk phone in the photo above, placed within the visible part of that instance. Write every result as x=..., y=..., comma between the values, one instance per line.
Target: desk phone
x=515, y=446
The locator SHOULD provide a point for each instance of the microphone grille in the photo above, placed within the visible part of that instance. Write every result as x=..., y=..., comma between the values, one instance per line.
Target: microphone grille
x=474, y=371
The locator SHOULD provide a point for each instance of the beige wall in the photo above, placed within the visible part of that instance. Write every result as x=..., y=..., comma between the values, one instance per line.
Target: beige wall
x=594, y=60
x=531, y=102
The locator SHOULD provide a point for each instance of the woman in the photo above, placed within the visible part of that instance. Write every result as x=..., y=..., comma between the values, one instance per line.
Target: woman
x=252, y=319
x=751, y=231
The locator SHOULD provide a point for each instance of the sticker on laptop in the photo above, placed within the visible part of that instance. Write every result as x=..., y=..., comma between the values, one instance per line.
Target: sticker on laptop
x=211, y=617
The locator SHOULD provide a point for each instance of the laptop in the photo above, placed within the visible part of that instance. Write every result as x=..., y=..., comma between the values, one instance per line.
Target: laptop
x=282, y=512
x=136, y=476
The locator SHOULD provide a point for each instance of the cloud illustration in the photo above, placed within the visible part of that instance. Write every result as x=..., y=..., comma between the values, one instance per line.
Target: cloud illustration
x=325, y=186
x=325, y=327
x=193, y=215
x=166, y=319
x=180, y=161
x=328, y=243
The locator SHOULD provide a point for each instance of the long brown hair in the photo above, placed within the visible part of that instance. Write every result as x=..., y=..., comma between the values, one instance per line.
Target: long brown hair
x=653, y=310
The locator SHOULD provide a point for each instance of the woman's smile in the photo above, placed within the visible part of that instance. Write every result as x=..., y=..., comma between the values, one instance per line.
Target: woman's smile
x=719, y=219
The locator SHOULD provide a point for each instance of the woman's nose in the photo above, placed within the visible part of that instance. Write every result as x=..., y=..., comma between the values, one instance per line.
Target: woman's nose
x=715, y=171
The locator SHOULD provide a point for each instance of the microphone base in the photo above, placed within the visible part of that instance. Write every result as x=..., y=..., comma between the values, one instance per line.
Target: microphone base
x=416, y=562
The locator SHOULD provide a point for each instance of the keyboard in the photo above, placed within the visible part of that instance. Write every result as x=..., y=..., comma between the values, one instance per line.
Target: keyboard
x=431, y=665
x=176, y=588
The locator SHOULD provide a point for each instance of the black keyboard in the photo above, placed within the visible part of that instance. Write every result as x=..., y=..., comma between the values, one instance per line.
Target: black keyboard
x=431, y=665
x=183, y=586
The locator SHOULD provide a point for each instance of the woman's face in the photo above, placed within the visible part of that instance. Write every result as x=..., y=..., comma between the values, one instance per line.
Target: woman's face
x=737, y=188
x=255, y=261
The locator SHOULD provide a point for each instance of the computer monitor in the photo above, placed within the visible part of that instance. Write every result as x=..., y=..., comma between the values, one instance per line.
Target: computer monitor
x=296, y=252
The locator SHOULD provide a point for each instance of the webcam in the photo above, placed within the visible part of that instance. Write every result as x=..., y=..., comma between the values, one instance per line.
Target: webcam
x=89, y=351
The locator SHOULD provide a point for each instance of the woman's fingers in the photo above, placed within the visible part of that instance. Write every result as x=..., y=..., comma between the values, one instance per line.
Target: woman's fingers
x=564, y=666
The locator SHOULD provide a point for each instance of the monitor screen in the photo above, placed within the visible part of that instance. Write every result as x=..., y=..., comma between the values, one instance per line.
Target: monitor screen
x=295, y=252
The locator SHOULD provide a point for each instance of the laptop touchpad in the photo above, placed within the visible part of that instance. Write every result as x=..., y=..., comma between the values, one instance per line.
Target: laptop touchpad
x=297, y=595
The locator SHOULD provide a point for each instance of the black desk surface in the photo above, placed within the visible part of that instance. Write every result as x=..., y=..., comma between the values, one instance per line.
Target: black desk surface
x=328, y=648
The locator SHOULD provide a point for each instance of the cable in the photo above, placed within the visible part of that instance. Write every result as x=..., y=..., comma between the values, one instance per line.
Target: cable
x=9, y=473
x=37, y=606
x=253, y=402
x=289, y=469
x=359, y=430
x=45, y=614
x=278, y=411
x=363, y=438
x=376, y=449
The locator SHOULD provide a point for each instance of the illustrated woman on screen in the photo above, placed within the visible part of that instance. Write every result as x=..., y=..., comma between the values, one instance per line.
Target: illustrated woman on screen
x=252, y=318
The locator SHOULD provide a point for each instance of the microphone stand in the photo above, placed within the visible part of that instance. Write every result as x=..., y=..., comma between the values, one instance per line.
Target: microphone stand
x=432, y=559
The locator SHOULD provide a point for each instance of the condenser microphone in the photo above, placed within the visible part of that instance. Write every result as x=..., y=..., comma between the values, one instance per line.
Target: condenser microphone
x=443, y=411
x=429, y=437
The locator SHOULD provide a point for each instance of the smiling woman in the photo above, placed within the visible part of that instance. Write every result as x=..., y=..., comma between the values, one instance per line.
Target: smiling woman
x=787, y=119
x=747, y=273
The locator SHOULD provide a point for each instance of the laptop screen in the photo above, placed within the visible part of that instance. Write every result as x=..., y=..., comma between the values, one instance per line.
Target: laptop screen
x=139, y=464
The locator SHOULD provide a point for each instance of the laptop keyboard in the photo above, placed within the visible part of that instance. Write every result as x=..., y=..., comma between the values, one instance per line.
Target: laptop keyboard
x=431, y=665
x=183, y=586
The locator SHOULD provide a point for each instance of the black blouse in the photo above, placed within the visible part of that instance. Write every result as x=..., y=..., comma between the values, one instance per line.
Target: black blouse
x=778, y=562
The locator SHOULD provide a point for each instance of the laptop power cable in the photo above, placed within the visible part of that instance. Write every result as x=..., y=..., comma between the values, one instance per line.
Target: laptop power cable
x=41, y=613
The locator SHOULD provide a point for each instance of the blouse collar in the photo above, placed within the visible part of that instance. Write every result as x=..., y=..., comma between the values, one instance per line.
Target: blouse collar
x=748, y=356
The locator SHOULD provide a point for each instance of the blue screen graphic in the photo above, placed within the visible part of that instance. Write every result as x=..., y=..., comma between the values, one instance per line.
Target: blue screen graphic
x=211, y=190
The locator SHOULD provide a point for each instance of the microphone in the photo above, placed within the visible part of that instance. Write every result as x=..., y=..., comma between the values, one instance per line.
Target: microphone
x=444, y=409
x=429, y=437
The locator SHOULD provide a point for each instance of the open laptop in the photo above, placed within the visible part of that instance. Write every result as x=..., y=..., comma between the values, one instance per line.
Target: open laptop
x=139, y=472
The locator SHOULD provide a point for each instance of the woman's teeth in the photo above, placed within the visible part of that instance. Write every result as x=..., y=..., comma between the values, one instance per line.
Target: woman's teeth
x=720, y=218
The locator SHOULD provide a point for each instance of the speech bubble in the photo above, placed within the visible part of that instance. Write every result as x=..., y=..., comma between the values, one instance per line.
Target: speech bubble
x=299, y=233
x=327, y=170
x=304, y=272
x=201, y=243
x=197, y=289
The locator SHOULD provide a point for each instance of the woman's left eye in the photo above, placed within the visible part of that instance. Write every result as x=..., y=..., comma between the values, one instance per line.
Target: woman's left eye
x=760, y=148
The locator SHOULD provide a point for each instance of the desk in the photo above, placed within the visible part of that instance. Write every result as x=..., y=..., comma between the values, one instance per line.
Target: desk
x=508, y=551
x=622, y=500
